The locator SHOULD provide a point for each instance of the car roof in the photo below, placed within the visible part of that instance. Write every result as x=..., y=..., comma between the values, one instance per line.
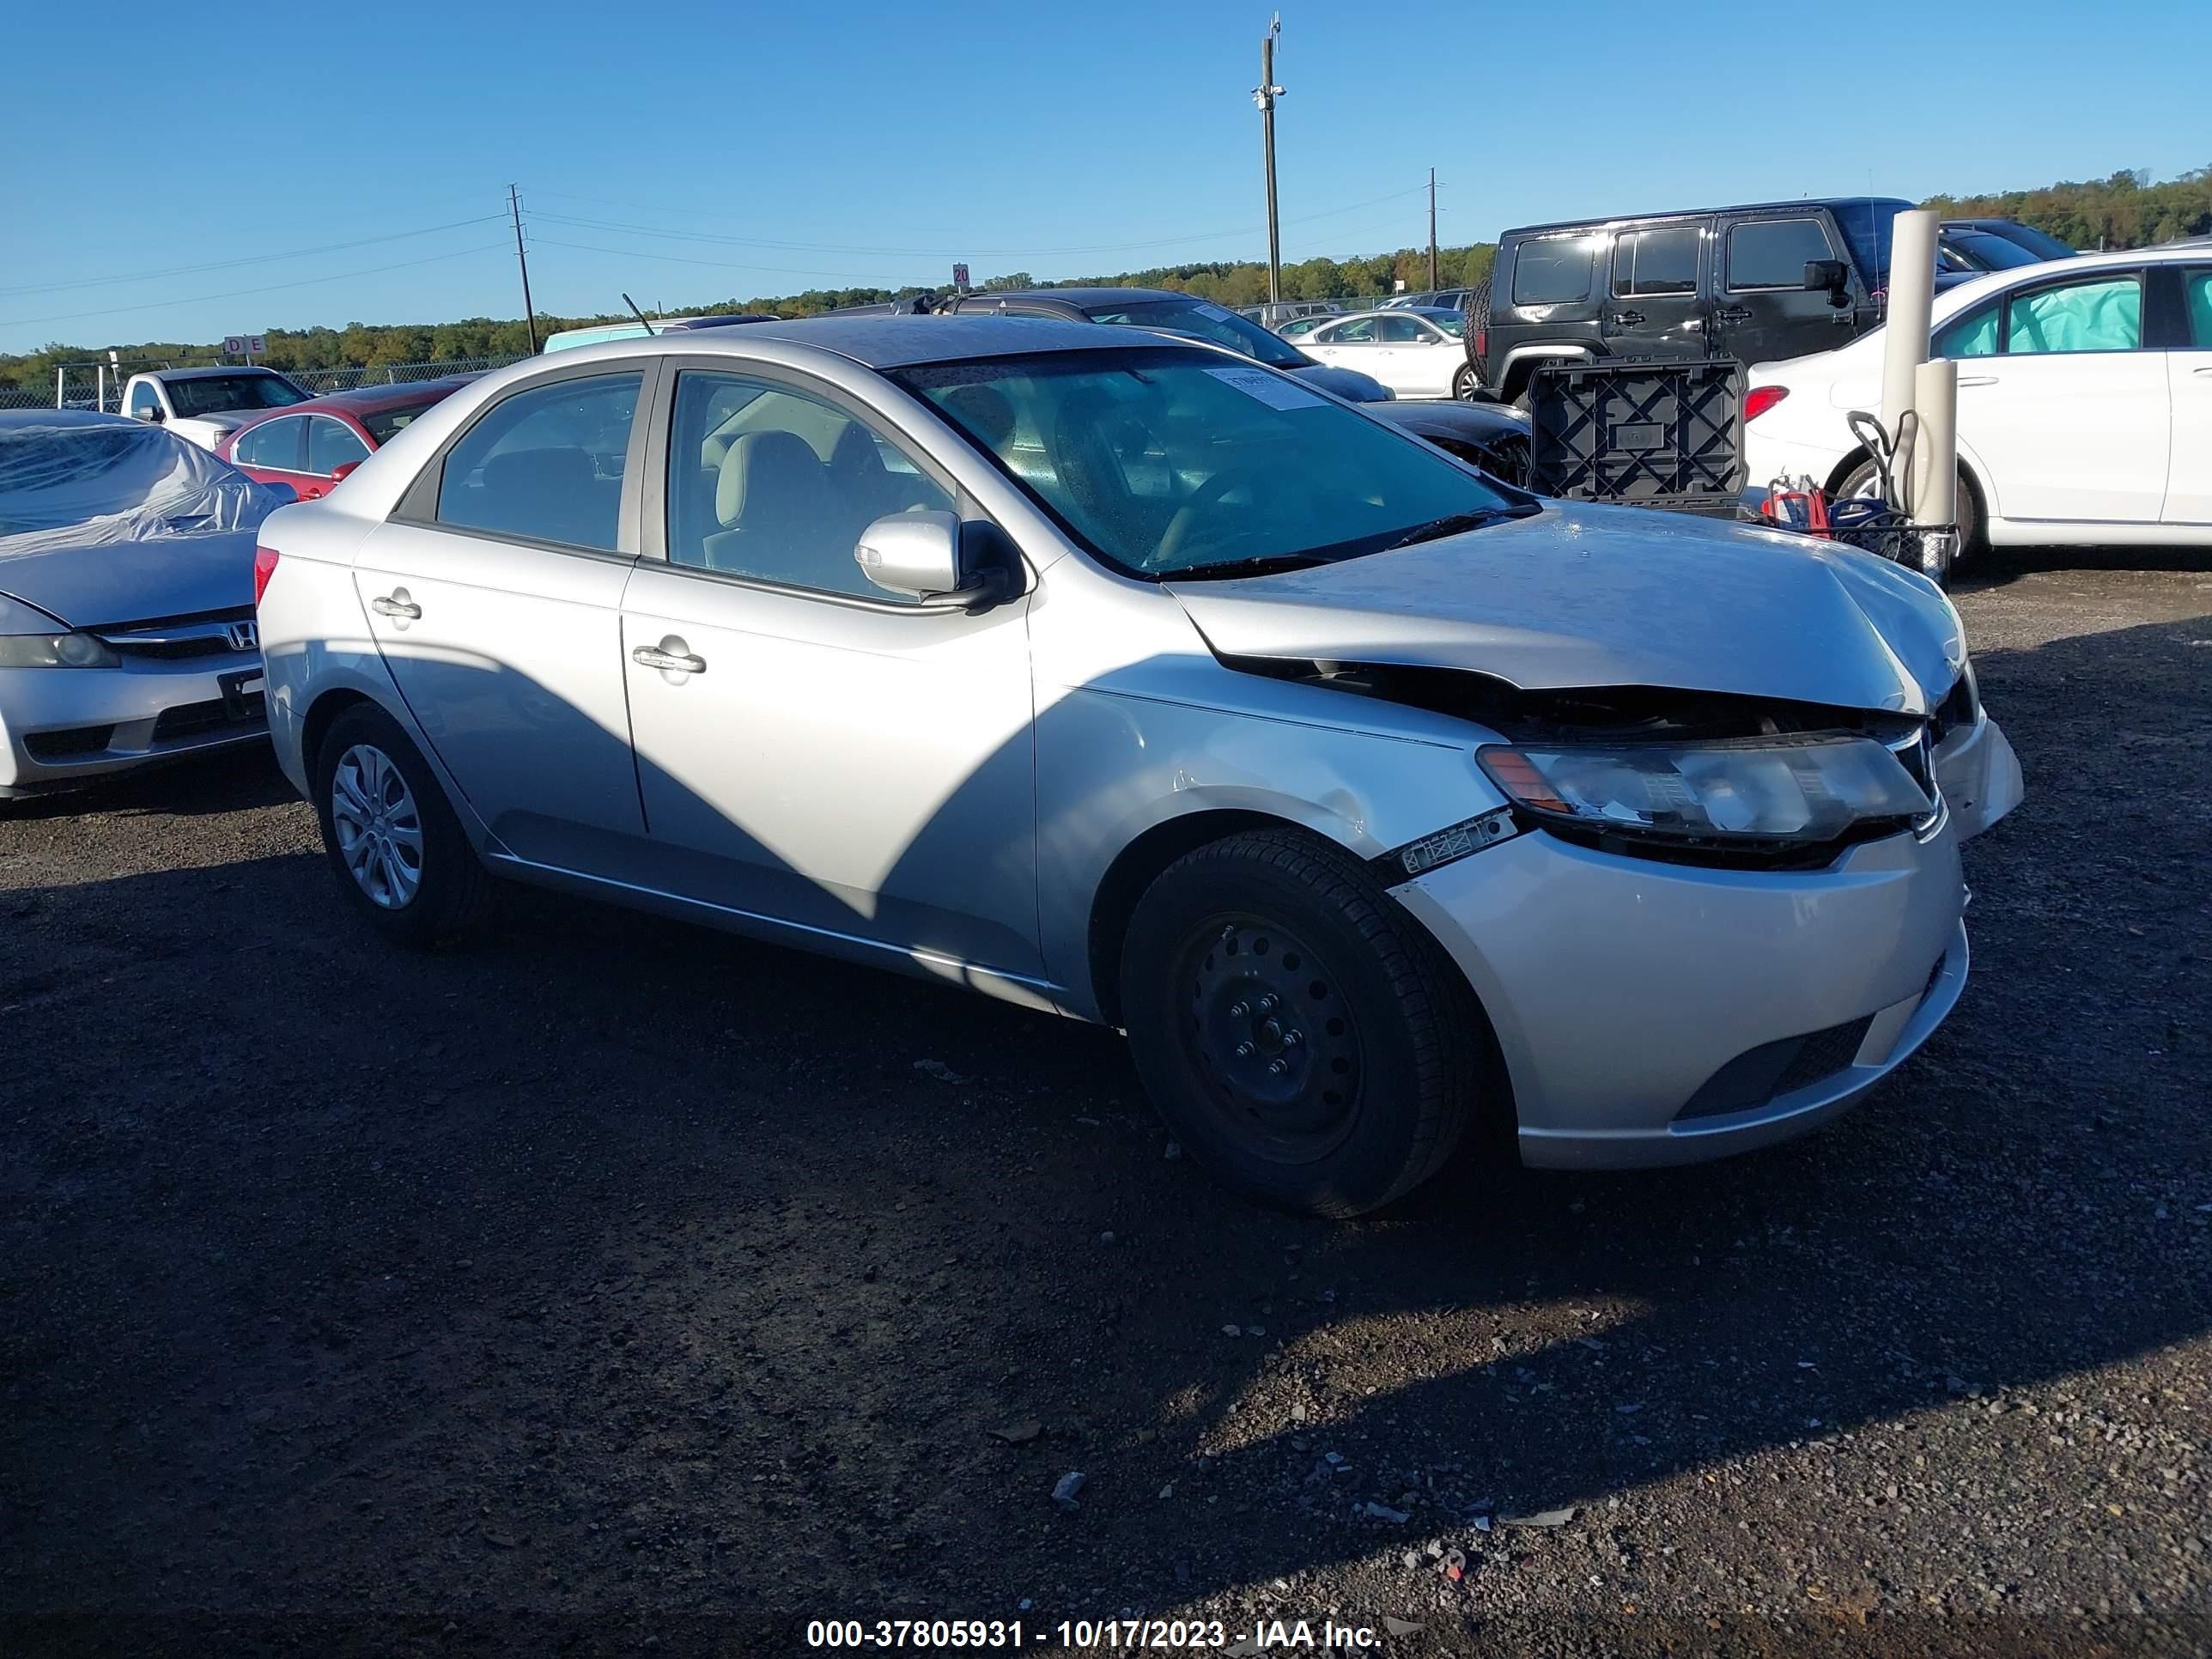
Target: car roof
x=1084, y=298
x=368, y=399
x=1596, y=220
x=62, y=417
x=893, y=342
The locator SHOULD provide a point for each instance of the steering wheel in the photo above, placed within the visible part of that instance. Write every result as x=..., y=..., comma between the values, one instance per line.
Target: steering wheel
x=1181, y=528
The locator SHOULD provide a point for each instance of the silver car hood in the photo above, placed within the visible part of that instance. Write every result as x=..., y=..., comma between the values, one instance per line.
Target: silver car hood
x=155, y=576
x=1595, y=596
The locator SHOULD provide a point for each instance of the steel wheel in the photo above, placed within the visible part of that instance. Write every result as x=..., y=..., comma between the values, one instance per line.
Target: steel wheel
x=378, y=827
x=1270, y=1033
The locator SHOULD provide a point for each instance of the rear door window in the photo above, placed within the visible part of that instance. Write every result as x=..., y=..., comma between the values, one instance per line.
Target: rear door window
x=2103, y=314
x=1552, y=271
x=2197, y=296
x=273, y=445
x=545, y=464
x=1652, y=262
x=1774, y=252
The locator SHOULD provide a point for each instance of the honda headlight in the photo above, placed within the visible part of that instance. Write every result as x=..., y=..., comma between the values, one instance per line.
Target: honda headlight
x=1781, y=789
x=30, y=638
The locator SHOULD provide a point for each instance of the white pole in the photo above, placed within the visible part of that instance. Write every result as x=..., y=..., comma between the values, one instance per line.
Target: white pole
x=1912, y=297
x=1934, y=490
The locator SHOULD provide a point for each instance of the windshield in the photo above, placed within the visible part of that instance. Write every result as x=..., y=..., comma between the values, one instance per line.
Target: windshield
x=1169, y=463
x=218, y=394
x=1208, y=322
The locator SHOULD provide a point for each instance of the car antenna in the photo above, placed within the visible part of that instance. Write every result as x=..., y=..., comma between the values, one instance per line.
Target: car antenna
x=640, y=315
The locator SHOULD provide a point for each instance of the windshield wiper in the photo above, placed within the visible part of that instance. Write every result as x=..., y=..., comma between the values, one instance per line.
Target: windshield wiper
x=1266, y=564
x=1453, y=522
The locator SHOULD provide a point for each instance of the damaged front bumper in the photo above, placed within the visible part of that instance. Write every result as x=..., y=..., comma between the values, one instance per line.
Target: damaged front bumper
x=1653, y=1013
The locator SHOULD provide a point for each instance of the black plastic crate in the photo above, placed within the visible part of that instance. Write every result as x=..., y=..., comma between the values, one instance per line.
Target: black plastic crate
x=1644, y=433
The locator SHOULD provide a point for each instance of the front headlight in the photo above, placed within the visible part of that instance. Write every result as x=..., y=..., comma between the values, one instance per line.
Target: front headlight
x=1784, y=789
x=54, y=651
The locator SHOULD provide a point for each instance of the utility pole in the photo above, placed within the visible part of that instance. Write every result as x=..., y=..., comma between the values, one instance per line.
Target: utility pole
x=529, y=312
x=1264, y=96
x=1432, y=230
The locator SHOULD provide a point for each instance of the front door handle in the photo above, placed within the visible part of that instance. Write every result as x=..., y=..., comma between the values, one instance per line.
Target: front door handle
x=671, y=656
x=1977, y=379
x=1628, y=319
x=1733, y=315
x=397, y=604
x=2207, y=370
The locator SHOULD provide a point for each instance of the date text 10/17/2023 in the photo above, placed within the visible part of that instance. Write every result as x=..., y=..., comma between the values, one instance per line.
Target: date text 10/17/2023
x=1139, y=1635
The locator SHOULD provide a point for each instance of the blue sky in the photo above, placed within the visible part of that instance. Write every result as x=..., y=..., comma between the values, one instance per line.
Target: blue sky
x=719, y=150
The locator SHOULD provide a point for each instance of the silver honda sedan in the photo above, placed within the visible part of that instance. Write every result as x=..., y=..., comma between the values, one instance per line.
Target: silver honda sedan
x=1132, y=681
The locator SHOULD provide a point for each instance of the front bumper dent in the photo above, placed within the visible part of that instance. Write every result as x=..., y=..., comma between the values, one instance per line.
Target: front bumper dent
x=1618, y=987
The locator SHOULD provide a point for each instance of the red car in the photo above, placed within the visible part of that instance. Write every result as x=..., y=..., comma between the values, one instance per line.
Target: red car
x=311, y=446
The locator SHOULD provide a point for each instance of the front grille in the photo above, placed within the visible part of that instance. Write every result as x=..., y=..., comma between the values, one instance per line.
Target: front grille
x=1758, y=1075
x=205, y=635
x=68, y=744
x=190, y=719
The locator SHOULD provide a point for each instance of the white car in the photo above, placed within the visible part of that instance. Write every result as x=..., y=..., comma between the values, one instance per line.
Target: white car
x=2085, y=401
x=1118, y=676
x=1417, y=354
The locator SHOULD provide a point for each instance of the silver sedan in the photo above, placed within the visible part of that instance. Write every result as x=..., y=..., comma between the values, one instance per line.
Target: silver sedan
x=1129, y=680
x=126, y=599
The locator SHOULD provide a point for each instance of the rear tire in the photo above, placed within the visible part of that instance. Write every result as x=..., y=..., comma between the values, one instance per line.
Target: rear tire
x=1465, y=388
x=398, y=852
x=1974, y=529
x=1301, y=1034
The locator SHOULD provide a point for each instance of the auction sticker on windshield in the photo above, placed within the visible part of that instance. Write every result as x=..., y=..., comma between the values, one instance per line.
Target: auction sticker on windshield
x=1272, y=390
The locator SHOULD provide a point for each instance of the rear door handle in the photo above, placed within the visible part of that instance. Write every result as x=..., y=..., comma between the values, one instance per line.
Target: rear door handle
x=671, y=656
x=2205, y=370
x=1733, y=315
x=397, y=604
x=1628, y=319
x=1982, y=379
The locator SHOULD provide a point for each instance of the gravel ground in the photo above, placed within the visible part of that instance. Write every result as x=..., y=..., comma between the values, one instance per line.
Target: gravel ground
x=612, y=1286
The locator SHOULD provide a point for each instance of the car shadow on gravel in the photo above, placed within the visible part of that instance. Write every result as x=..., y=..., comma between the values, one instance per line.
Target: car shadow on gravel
x=611, y=1278
x=196, y=786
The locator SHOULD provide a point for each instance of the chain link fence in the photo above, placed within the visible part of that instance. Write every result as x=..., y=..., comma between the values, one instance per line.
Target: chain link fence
x=100, y=386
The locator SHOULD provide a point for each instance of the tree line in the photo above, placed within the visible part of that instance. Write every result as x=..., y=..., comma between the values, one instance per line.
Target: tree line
x=2124, y=211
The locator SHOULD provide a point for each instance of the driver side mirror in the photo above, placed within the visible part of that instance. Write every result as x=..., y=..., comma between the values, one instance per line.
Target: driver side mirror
x=151, y=412
x=1831, y=276
x=916, y=554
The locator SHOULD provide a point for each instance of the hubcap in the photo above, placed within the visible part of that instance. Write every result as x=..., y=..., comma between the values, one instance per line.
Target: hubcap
x=380, y=833
x=1267, y=1028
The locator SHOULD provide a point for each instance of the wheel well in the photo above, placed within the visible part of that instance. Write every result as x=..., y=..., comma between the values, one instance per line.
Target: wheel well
x=1134, y=870
x=323, y=711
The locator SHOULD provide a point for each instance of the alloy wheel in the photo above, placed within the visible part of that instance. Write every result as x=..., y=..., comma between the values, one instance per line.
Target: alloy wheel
x=378, y=826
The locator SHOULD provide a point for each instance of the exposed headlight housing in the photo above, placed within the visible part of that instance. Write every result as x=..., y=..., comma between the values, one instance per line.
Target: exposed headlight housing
x=66, y=650
x=1772, y=791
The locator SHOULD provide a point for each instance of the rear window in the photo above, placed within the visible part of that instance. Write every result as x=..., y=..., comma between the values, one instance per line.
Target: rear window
x=1552, y=270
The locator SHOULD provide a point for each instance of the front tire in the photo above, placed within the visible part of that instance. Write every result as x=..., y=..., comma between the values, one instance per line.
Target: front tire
x=399, y=853
x=1301, y=1034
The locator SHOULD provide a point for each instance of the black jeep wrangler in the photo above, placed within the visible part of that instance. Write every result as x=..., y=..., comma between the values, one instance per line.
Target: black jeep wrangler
x=1782, y=279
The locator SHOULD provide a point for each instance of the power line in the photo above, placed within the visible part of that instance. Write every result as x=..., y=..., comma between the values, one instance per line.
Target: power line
x=249, y=259
x=240, y=292
x=923, y=252
x=715, y=265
